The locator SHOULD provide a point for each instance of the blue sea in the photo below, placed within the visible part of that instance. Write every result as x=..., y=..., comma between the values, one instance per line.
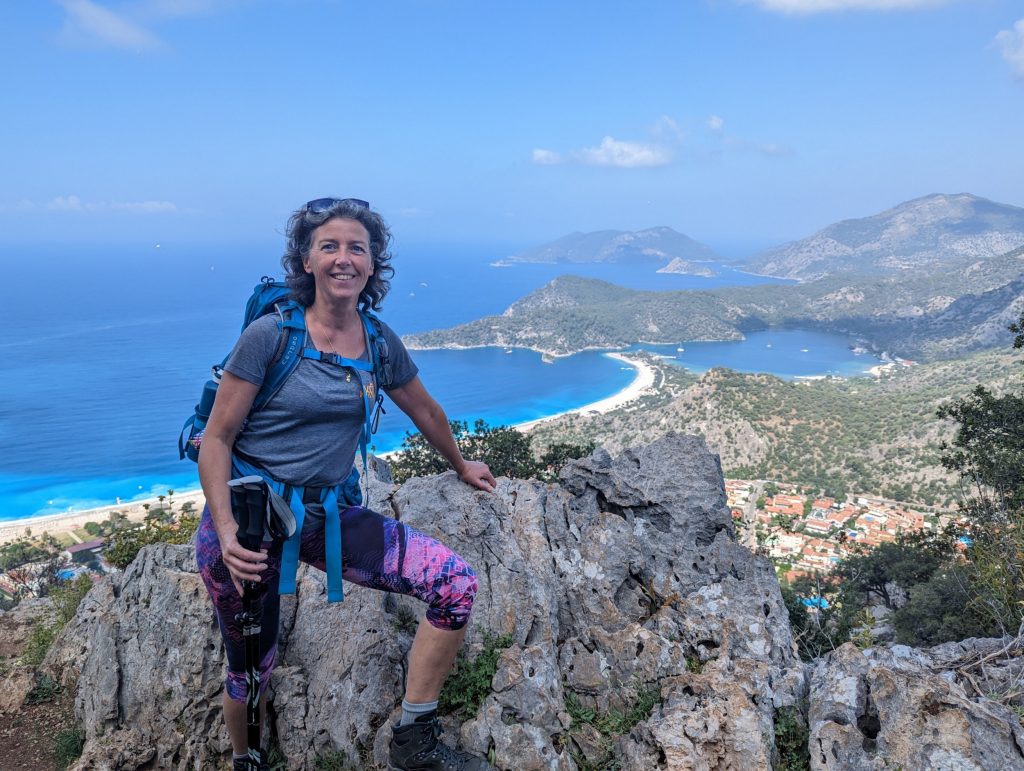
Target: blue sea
x=106, y=352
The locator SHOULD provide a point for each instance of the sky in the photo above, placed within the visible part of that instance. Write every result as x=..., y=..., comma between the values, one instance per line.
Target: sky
x=742, y=123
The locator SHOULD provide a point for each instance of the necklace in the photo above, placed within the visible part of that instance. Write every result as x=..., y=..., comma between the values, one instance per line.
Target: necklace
x=330, y=342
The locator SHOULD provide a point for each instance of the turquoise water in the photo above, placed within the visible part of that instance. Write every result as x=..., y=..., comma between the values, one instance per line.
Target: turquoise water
x=788, y=353
x=104, y=359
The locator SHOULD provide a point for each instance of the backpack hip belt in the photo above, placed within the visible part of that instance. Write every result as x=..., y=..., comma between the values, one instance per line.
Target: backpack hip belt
x=346, y=493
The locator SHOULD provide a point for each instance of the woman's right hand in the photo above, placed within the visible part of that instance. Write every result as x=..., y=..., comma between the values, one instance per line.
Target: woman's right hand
x=242, y=564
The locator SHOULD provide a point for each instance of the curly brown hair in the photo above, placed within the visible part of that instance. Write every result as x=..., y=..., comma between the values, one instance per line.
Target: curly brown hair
x=300, y=237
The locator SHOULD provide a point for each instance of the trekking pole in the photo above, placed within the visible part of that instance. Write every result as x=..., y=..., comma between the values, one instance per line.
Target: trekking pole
x=249, y=505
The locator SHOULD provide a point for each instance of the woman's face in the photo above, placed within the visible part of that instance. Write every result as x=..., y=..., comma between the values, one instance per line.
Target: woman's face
x=339, y=260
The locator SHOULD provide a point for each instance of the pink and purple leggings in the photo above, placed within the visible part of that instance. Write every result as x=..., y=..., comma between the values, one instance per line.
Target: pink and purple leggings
x=377, y=552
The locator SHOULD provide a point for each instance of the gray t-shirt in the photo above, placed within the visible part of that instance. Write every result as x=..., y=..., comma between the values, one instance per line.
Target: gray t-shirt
x=308, y=434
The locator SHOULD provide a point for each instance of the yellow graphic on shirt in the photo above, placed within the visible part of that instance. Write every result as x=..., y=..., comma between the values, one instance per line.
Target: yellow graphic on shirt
x=370, y=390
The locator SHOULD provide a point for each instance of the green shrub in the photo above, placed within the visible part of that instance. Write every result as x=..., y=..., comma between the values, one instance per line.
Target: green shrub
x=791, y=740
x=44, y=690
x=813, y=632
x=942, y=609
x=610, y=725
x=68, y=745
x=470, y=682
x=67, y=597
x=124, y=545
x=507, y=451
x=39, y=638
x=331, y=760
x=66, y=600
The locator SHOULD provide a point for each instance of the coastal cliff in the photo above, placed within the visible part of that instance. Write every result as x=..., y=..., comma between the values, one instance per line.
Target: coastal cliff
x=640, y=635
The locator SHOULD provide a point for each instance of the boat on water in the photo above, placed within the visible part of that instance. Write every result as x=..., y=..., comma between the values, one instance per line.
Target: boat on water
x=680, y=349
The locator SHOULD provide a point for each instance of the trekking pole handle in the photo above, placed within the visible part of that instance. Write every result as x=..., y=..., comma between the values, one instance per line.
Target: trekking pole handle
x=249, y=505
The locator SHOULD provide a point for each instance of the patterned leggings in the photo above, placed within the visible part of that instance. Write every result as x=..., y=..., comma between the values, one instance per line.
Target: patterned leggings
x=377, y=551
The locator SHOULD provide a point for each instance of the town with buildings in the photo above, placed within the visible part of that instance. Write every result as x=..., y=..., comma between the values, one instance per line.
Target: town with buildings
x=806, y=534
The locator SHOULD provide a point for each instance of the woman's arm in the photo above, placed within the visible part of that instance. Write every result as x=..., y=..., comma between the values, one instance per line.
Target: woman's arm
x=414, y=401
x=234, y=400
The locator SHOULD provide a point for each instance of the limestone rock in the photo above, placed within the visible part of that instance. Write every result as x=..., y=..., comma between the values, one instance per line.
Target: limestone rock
x=16, y=679
x=642, y=633
x=899, y=707
x=145, y=659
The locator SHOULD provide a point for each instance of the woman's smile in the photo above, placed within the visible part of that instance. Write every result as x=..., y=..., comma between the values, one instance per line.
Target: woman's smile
x=340, y=259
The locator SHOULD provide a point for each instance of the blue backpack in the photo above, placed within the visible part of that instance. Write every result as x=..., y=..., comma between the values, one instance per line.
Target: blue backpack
x=270, y=296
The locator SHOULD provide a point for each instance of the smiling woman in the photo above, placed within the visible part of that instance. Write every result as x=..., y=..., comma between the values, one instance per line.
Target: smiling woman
x=301, y=443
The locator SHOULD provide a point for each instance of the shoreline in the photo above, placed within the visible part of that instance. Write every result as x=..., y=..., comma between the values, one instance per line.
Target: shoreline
x=65, y=522
x=644, y=380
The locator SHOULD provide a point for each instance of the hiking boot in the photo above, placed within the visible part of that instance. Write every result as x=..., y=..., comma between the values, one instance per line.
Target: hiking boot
x=242, y=764
x=417, y=747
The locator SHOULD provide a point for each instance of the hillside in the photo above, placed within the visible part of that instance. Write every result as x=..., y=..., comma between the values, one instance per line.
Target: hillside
x=661, y=244
x=922, y=315
x=858, y=435
x=571, y=314
x=936, y=232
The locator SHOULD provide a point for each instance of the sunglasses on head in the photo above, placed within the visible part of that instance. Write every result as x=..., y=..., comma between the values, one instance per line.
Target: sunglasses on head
x=320, y=205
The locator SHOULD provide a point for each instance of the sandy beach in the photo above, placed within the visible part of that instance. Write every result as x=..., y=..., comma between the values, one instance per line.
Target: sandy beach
x=55, y=524
x=67, y=522
x=643, y=381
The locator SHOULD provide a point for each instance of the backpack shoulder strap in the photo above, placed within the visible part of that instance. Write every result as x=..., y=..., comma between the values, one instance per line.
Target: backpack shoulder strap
x=378, y=349
x=292, y=323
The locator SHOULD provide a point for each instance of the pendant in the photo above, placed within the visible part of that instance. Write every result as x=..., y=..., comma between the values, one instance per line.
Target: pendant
x=348, y=377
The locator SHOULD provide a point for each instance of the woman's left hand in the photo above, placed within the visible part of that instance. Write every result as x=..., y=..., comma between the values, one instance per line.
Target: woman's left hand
x=476, y=474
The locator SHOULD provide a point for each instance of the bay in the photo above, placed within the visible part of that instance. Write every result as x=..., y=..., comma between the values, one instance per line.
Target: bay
x=107, y=350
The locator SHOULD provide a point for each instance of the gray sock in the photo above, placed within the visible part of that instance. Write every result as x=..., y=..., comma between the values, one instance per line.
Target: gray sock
x=412, y=711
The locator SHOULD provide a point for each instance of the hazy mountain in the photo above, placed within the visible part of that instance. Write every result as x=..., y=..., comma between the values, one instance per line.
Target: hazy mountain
x=937, y=232
x=660, y=244
x=917, y=315
x=572, y=314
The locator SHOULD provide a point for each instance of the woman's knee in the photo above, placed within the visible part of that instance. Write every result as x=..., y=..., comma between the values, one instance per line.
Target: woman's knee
x=454, y=601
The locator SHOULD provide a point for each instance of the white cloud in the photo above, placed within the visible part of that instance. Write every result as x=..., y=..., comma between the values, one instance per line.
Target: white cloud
x=823, y=6
x=65, y=203
x=88, y=23
x=716, y=125
x=546, y=157
x=626, y=155
x=1011, y=43
x=76, y=204
x=668, y=128
x=664, y=135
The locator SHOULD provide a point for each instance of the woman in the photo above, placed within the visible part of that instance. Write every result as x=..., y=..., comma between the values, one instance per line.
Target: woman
x=337, y=262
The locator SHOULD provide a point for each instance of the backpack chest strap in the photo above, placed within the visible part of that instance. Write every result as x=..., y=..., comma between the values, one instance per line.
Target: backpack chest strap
x=337, y=359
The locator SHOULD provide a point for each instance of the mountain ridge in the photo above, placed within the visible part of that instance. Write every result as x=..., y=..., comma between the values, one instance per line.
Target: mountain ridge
x=657, y=244
x=933, y=231
x=921, y=315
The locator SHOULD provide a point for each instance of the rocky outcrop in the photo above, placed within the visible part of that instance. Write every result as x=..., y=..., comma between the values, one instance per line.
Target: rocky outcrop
x=900, y=707
x=642, y=635
x=16, y=678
